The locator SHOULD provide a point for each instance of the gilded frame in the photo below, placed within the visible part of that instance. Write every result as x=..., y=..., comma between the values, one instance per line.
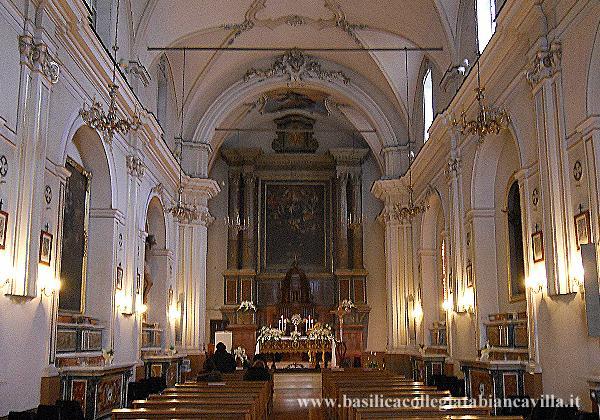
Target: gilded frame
x=86, y=227
x=583, y=217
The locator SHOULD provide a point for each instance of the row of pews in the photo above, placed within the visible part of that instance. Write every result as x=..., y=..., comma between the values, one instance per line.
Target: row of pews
x=233, y=398
x=360, y=394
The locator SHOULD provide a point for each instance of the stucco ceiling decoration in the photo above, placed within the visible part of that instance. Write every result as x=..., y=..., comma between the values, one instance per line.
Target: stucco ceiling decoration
x=337, y=20
x=297, y=68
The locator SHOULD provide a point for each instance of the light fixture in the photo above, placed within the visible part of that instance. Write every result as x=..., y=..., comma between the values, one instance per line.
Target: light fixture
x=237, y=223
x=174, y=313
x=110, y=123
x=489, y=120
x=417, y=311
x=354, y=222
x=182, y=211
x=123, y=302
x=411, y=210
x=466, y=302
x=48, y=284
x=448, y=304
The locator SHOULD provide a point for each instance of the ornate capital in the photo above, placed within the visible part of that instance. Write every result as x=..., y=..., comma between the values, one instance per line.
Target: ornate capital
x=545, y=64
x=36, y=56
x=135, y=166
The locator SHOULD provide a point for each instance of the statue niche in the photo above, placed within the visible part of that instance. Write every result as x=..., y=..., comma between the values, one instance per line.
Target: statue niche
x=295, y=294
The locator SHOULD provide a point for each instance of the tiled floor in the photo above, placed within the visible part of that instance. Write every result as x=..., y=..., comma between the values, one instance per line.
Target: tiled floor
x=291, y=386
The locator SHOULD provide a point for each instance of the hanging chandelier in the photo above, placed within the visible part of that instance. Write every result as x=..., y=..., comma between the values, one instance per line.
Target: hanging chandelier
x=237, y=223
x=489, y=120
x=412, y=209
x=182, y=211
x=110, y=123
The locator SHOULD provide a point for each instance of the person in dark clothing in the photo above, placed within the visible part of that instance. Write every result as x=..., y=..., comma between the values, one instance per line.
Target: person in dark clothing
x=257, y=372
x=210, y=374
x=224, y=361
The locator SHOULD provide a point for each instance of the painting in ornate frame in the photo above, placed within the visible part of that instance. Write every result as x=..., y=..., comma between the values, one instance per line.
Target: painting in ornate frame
x=45, y=248
x=119, y=282
x=3, y=227
x=582, y=228
x=73, y=265
x=537, y=246
x=294, y=225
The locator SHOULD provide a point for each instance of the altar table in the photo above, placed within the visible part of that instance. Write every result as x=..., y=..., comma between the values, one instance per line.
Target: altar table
x=299, y=345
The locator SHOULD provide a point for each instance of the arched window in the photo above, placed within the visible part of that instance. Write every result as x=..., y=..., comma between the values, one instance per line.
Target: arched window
x=515, y=243
x=427, y=103
x=486, y=22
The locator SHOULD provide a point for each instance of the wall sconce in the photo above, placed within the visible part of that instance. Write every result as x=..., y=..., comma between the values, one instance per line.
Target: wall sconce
x=47, y=283
x=417, y=312
x=174, y=313
x=448, y=304
x=123, y=303
x=140, y=306
x=577, y=273
x=466, y=303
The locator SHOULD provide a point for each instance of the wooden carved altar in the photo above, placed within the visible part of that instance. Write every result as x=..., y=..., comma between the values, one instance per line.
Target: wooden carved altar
x=296, y=252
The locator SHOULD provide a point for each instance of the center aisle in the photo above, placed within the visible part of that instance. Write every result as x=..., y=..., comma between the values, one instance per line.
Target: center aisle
x=288, y=387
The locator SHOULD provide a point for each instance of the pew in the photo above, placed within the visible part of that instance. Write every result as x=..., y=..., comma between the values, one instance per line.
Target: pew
x=357, y=392
x=232, y=399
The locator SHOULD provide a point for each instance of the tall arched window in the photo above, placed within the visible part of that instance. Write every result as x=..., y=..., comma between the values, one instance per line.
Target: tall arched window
x=427, y=103
x=515, y=243
x=486, y=22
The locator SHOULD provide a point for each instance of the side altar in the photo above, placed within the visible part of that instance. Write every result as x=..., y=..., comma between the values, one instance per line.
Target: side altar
x=295, y=239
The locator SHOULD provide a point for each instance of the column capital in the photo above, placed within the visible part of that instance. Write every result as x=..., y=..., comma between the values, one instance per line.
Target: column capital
x=37, y=57
x=545, y=64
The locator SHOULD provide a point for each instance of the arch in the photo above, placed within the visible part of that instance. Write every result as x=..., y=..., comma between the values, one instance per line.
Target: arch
x=593, y=78
x=241, y=91
x=89, y=146
x=93, y=147
x=155, y=221
x=432, y=225
x=485, y=164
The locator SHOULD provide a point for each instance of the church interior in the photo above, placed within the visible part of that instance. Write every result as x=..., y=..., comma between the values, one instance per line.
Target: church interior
x=215, y=209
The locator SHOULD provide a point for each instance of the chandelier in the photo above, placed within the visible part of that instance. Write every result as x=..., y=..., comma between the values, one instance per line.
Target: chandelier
x=489, y=120
x=184, y=212
x=110, y=123
x=237, y=223
x=411, y=210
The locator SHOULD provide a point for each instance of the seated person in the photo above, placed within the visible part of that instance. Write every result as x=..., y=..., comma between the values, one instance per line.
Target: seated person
x=224, y=361
x=257, y=372
x=211, y=374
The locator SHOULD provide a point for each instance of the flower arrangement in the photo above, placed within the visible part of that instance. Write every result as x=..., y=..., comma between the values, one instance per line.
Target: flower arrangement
x=320, y=332
x=240, y=353
x=108, y=355
x=269, y=334
x=296, y=319
x=347, y=305
x=246, y=306
x=295, y=335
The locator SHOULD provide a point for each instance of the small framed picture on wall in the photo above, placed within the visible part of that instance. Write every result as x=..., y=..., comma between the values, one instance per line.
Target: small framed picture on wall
x=582, y=228
x=537, y=245
x=3, y=226
x=119, y=282
x=45, y=248
x=469, y=274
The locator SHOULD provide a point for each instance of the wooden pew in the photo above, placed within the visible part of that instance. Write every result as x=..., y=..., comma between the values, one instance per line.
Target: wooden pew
x=220, y=413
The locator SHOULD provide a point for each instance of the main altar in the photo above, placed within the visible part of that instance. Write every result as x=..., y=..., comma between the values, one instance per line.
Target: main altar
x=295, y=244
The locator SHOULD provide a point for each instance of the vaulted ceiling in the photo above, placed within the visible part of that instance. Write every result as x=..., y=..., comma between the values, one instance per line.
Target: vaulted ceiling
x=295, y=23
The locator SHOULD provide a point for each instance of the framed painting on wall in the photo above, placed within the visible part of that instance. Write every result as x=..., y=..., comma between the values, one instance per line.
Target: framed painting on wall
x=469, y=274
x=119, y=282
x=582, y=228
x=537, y=246
x=45, y=248
x=3, y=226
